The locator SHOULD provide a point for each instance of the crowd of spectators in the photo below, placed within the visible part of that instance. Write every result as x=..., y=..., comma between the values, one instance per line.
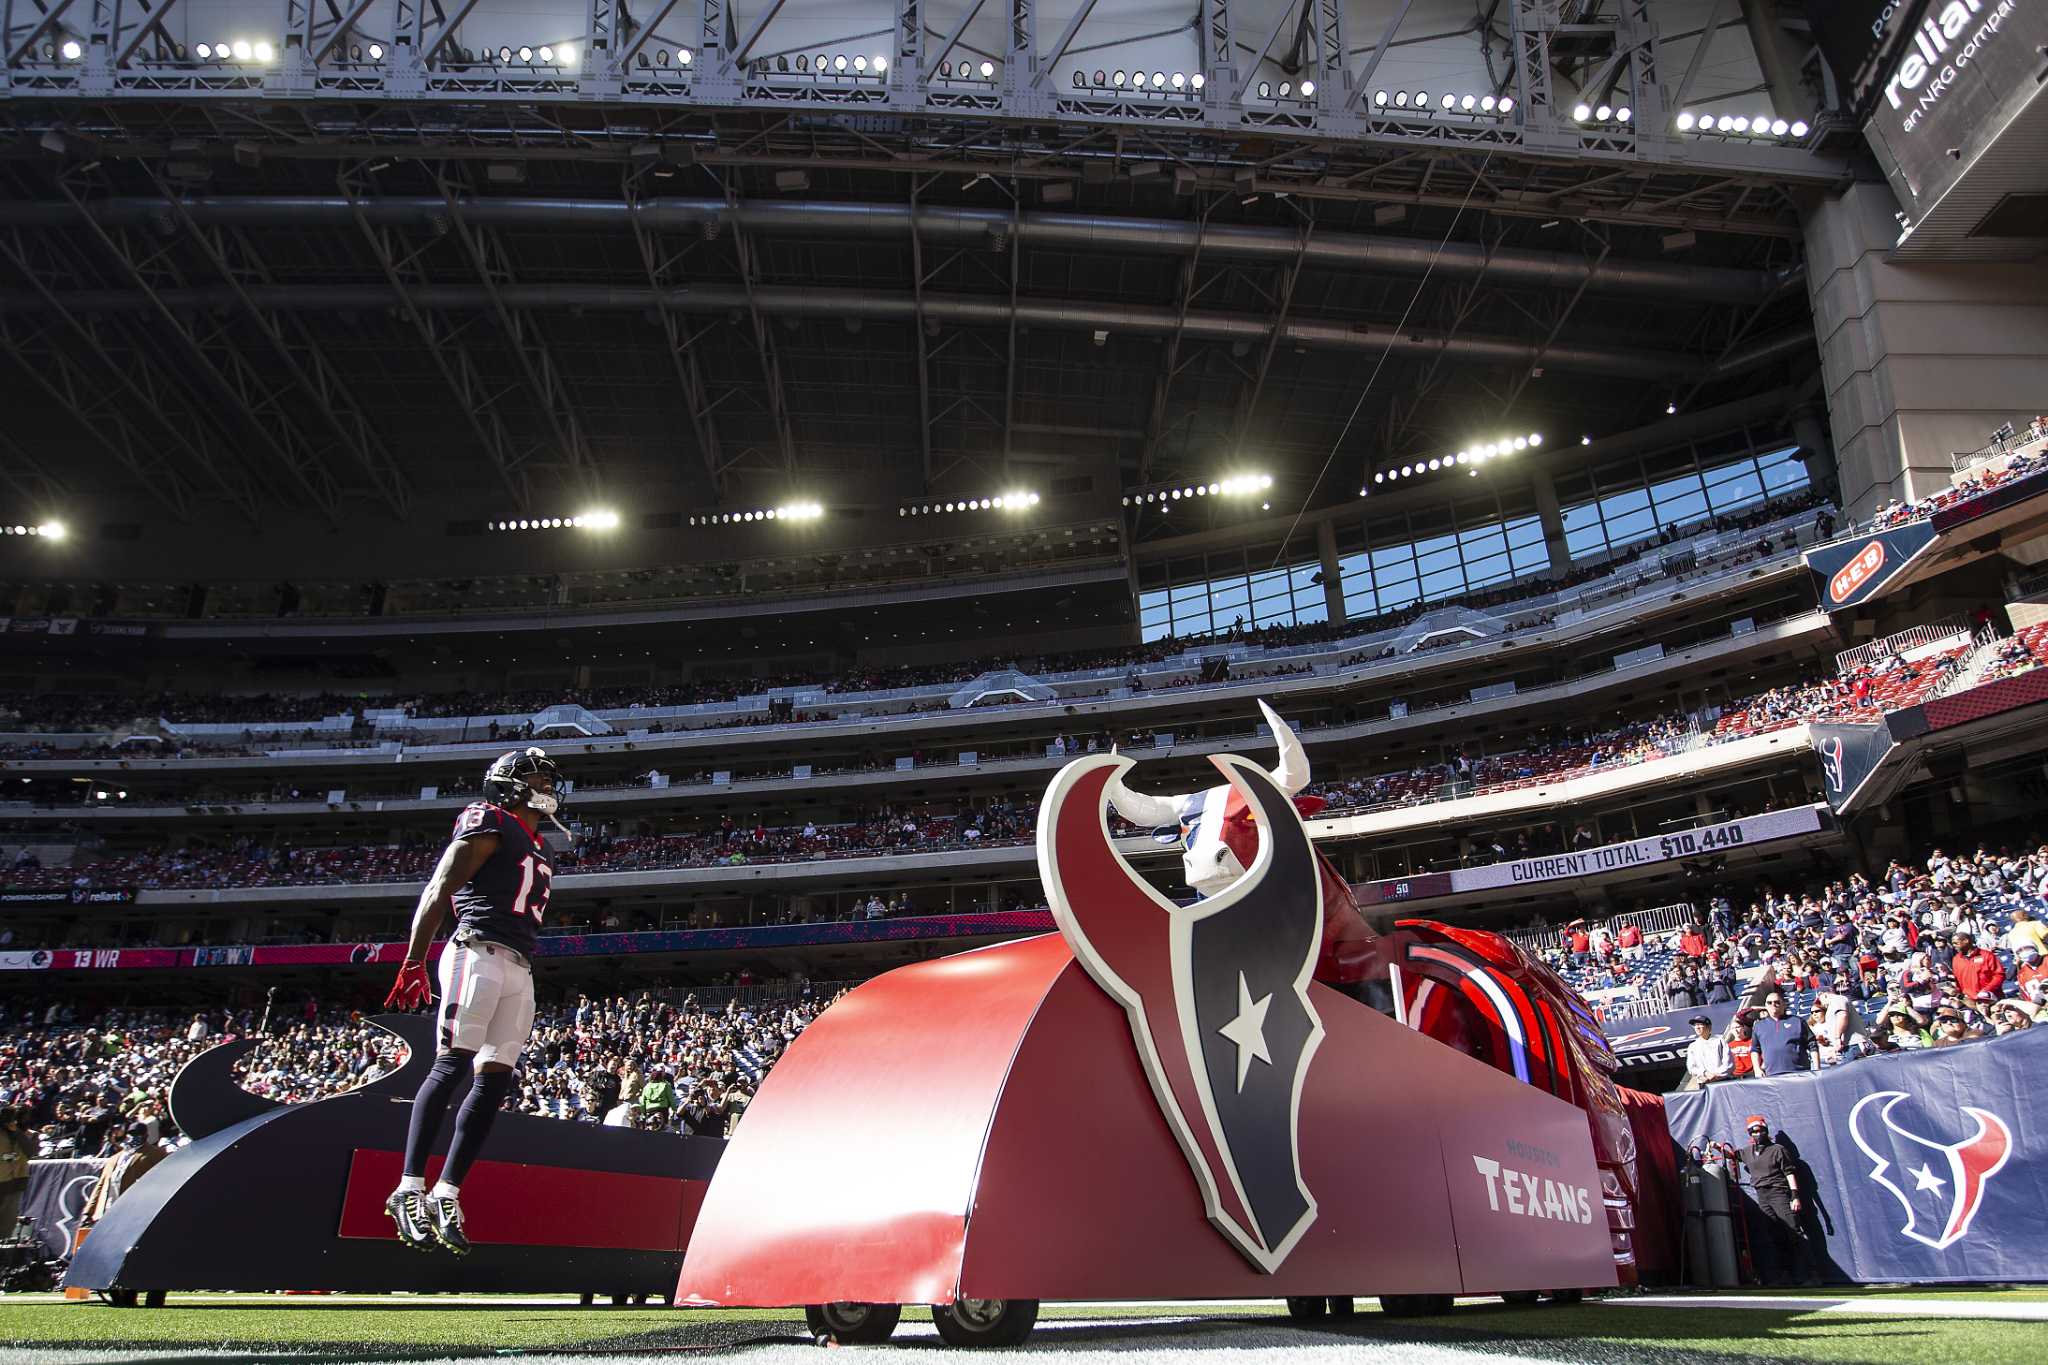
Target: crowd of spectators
x=1928, y=955
x=80, y=712
x=1976, y=482
x=81, y=1080
x=1551, y=754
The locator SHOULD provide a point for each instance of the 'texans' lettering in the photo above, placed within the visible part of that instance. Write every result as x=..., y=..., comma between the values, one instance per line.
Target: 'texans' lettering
x=1533, y=1195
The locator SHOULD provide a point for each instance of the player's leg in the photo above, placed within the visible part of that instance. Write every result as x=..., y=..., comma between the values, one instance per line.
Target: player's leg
x=459, y=1033
x=504, y=1038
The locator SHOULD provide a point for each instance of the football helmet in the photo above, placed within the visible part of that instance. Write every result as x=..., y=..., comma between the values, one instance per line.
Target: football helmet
x=527, y=775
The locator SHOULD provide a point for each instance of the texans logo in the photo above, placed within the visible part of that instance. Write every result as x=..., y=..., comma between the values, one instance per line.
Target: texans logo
x=1831, y=762
x=1216, y=993
x=1940, y=1184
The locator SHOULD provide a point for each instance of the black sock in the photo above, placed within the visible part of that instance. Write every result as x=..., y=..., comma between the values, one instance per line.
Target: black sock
x=448, y=1074
x=473, y=1122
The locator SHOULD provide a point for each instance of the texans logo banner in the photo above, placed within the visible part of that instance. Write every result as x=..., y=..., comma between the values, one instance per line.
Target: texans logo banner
x=1930, y=1166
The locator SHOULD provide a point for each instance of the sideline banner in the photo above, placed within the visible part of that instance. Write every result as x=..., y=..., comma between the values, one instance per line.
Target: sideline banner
x=67, y=895
x=55, y=1200
x=1657, y=848
x=1929, y=1166
x=1849, y=572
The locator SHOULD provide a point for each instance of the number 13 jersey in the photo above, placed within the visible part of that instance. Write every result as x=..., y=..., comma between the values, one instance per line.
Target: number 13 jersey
x=508, y=897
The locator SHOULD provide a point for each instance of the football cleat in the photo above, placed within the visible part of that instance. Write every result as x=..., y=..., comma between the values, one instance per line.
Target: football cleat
x=446, y=1217
x=407, y=1208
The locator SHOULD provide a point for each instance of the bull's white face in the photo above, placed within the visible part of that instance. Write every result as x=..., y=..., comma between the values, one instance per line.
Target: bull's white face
x=1211, y=823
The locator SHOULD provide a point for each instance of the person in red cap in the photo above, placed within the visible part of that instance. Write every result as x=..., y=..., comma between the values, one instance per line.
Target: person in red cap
x=1774, y=1179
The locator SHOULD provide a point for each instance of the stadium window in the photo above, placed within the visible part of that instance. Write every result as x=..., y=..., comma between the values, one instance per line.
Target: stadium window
x=1680, y=501
x=1443, y=583
x=1782, y=471
x=1731, y=487
x=1627, y=516
x=1583, y=533
x=1480, y=573
x=1155, y=615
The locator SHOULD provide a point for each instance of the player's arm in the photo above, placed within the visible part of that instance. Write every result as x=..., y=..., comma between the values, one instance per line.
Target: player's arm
x=460, y=861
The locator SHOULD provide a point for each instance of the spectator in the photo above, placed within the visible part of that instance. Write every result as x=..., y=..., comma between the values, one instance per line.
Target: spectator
x=1783, y=1043
x=1978, y=972
x=1706, y=1057
x=1774, y=1177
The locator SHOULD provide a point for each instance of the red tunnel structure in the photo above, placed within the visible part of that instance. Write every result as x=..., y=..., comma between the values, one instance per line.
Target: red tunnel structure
x=982, y=1127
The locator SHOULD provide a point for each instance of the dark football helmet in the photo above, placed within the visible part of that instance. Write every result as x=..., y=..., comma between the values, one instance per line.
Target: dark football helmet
x=527, y=775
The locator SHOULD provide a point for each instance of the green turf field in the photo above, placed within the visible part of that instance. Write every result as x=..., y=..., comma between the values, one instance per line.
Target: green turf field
x=400, y=1328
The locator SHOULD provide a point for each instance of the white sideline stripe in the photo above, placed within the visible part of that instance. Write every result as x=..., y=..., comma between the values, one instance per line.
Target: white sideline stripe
x=1874, y=1303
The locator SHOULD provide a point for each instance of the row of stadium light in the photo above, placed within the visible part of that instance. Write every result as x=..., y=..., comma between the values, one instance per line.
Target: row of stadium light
x=789, y=511
x=1002, y=502
x=1738, y=125
x=48, y=530
x=1237, y=485
x=822, y=65
x=1138, y=80
x=600, y=520
x=1420, y=102
x=1470, y=458
x=1602, y=113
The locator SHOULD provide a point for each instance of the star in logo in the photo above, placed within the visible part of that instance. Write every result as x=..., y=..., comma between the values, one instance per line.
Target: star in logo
x=1925, y=1179
x=1248, y=1030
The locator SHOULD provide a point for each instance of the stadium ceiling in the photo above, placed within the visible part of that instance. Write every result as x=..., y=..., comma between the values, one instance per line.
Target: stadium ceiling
x=355, y=254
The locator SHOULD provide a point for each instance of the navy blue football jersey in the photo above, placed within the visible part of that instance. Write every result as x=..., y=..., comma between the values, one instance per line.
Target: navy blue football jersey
x=508, y=897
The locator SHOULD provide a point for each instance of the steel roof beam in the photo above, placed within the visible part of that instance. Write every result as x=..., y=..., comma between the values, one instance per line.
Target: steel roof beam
x=796, y=301
x=658, y=268
x=958, y=226
x=257, y=407
x=331, y=396
x=547, y=388
x=478, y=398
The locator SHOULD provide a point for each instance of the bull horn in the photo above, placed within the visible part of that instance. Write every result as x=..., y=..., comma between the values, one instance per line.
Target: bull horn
x=1146, y=812
x=1290, y=774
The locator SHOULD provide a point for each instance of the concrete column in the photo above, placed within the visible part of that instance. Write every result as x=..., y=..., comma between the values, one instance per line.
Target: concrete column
x=1333, y=582
x=1553, y=519
x=1917, y=360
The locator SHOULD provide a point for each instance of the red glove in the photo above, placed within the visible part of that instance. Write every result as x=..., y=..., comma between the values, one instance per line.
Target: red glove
x=411, y=990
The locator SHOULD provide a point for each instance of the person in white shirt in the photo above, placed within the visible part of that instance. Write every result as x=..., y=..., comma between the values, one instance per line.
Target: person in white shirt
x=1706, y=1057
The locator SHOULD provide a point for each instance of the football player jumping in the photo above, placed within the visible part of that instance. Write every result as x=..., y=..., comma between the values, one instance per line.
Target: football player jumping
x=495, y=876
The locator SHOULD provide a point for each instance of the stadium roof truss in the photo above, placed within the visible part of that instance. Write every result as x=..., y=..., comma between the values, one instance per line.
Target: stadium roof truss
x=608, y=248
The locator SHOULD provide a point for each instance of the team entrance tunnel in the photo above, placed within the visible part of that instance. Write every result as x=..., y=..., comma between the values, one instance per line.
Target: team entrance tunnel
x=981, y=1129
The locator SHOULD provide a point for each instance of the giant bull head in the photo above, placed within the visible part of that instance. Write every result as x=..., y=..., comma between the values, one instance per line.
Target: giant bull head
x=1216, y=993
x=1216, y=824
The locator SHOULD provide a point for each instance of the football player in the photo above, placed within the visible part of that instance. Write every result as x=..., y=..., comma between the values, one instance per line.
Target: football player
x=495, y=877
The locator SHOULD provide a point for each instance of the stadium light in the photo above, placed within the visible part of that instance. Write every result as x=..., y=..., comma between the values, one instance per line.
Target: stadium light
x=1685, y=121
x=1379, y=98
x=988, y=71
x=1603, y=113
x=1623, y=114
x=48, y=530
x=1308, y=89
x=377, y=53
x=205, y=51
x=1198, y=80
x=71, y=50
x=1799, y=128
x=1507, y=102
x=1581, y=112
